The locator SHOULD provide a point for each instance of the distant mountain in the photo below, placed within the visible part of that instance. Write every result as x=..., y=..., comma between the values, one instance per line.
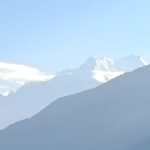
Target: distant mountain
x=113, y=116
x=35, y=96
x=130, y=63
x=100, y=70
x=13, y=76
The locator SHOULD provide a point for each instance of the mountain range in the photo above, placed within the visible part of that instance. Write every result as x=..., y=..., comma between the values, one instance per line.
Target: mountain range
x=33, y=97
x=13, y=76
x=113, y=116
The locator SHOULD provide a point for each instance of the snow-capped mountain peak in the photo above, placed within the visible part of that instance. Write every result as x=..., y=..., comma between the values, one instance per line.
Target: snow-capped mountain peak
x=101, y=70
x=104, y=64
x=131, y=63
x=105, y=69
x=145, y=62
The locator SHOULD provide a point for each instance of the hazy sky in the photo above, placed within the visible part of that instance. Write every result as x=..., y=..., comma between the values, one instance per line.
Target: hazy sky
x=57, y=34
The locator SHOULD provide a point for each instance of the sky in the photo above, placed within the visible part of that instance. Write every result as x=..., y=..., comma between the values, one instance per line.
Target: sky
x=53, y=35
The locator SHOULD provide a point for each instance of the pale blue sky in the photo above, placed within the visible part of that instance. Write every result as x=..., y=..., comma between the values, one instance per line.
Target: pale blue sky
x=57, y=34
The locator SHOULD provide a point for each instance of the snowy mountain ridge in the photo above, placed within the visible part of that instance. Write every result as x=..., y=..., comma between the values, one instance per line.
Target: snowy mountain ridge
x=131, y=63
x=105, y=69
x=13, y=76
